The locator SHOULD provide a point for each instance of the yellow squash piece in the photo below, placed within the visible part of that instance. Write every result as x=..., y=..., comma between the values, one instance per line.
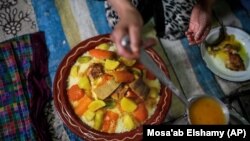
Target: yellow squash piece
x=153, y=93
x=89, y=115
x=83, y=59
x=153, y=84
x=103, y=46
x=74, y=71
x=128, y=122
x=128, y=62
x=84, y=83
x=95, y=105
x=98, y=119
x=111, y=64
x=128, y=105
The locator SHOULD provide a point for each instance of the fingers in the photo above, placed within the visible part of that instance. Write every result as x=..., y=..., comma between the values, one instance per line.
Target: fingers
x=190, y=33
x=203, y=29
x=116, y=37
x=197, y=38
x=204, y=35
x=190, y=37
x=135, y=38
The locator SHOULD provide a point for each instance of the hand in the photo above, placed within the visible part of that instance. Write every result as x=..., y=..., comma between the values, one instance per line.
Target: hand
x=130, y=23
x=199, y=25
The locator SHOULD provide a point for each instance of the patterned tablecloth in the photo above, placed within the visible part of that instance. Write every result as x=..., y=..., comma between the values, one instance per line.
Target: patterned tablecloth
x=64, y=23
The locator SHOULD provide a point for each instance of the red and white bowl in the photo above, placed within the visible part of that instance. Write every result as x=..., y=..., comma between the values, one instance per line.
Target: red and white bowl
x=74, y=123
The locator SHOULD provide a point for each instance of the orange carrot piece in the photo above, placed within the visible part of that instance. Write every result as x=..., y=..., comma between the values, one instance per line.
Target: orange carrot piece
x=101, y=54
x=141, y=112
x=110, y=122
x=138, y=65
x=75, y=93
x=150, y=75
x=105, y=126
x=123, y=76
x=83, y=105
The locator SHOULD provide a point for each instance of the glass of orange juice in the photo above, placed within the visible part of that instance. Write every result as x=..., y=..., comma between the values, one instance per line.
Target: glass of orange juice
x=207, y=110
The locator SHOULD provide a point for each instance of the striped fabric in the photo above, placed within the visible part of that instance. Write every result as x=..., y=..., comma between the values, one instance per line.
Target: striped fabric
x=87, y=19
x=49, y=22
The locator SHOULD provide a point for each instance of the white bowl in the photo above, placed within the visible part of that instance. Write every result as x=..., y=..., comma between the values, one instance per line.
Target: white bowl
x=217, y=66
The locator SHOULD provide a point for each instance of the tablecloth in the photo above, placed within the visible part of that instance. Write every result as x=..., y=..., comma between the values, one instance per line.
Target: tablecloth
x=67, y=22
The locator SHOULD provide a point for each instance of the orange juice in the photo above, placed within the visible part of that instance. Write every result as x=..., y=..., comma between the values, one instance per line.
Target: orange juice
x=207, y=110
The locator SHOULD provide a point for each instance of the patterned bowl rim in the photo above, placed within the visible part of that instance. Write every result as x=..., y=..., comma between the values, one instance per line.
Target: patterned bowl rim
x=74, y=123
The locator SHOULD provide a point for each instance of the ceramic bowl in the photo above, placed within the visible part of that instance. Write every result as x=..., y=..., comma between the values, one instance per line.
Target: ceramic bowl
x=74, y=123
x=217, y=66
x=207, y=110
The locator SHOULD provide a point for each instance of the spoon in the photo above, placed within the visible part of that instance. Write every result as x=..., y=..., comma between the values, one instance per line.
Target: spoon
x=221, y=36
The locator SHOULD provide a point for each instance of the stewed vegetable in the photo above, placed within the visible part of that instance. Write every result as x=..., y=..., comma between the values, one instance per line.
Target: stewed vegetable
x=110, y=93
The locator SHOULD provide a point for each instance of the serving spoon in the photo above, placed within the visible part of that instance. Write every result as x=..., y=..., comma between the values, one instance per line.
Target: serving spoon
x=221, y=36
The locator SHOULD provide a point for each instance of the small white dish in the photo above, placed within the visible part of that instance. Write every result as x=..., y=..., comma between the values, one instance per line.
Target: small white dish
x=217, y=66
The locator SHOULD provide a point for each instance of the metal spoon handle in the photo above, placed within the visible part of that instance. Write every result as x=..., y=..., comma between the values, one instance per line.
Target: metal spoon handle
x=218, y=19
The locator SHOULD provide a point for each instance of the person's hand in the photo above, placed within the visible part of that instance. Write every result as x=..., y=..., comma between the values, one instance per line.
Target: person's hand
x=199, y=25
x=130, y=23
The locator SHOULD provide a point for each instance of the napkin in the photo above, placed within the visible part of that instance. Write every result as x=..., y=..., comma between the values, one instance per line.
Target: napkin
x=24, y=88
